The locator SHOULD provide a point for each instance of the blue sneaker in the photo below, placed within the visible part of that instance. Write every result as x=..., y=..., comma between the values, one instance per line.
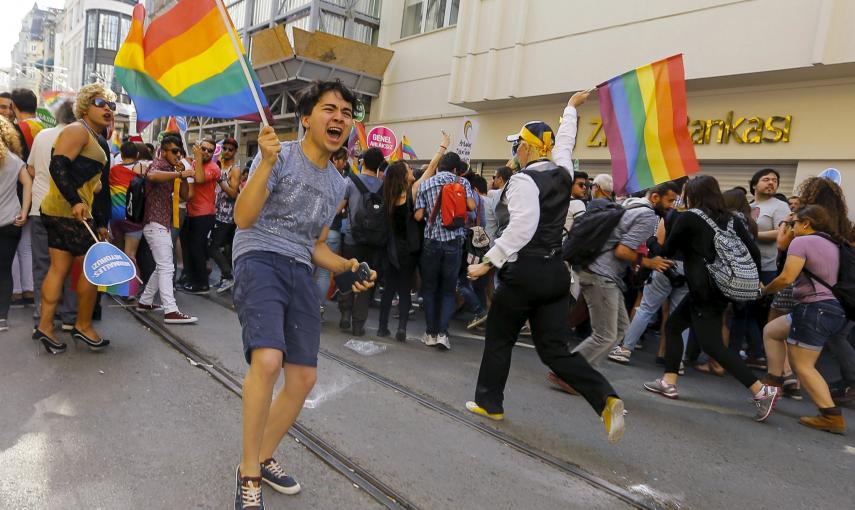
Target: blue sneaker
x=273, y=474
x=247, y=492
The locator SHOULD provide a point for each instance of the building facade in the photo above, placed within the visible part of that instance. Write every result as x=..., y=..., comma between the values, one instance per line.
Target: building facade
x=34, y=62
x=93, y=31
x=769, y=82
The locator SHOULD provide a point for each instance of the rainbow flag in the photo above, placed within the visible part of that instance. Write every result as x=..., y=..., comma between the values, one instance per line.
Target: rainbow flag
x=127, y=289
x=407, y=148
x=115, y=143
x=397, y=154
x=644, y=116
x=185, y=64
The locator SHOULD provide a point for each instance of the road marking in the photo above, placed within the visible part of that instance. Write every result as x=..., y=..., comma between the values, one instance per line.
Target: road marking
x=471, y=336
x=849, y=449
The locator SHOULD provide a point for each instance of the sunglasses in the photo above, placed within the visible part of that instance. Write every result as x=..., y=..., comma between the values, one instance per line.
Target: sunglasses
x=103, y=103
x=514, y=147
x=206, y=149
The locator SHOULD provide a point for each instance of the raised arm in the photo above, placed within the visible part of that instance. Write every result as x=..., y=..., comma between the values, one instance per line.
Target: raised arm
x=254, y=195
x=434, y=163
x=565, y=139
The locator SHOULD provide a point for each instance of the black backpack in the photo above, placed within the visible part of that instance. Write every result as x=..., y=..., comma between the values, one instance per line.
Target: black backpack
x=844, y=289
x=591, y=231
x=135, y=200
x=370, y=225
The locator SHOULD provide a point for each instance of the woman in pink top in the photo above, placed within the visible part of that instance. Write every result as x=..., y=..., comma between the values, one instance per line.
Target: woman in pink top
x=812, y=256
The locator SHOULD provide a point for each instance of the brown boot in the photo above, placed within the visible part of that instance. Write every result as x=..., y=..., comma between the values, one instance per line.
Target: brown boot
x=833, y=423
x=563, y=386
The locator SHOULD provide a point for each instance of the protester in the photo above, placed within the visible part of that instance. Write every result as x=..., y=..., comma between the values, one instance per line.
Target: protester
x=322, y=276
x=768, y=211
x=39, y=167
x=6, y=110
x=602, y=187
x=474, y=293
x=602, y=281
x=125, y=233
x=24, y=103
x=813, y=262
x=442, y=248
x=367, y=236
x=400, y=189
x=13, y=212
x=704, y=307
x=160, y=177
x=201, y=211
x=283, y=216
x=500, y=179
x=80, y=157
x=220, y=245
x=578, y=197
x=533, y=280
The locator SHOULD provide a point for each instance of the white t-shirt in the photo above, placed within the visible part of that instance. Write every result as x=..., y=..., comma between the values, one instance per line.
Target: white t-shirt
x=40, y=160
x=576, y=209
x=768, y=215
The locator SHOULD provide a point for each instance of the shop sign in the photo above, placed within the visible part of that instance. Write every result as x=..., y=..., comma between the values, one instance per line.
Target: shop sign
x=384, y=139
x=742, y=130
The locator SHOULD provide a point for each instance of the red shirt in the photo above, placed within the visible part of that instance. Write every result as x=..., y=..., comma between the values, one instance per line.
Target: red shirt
x=204, y=197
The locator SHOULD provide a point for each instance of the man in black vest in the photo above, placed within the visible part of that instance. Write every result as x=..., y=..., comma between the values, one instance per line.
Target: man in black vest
x=533, y=280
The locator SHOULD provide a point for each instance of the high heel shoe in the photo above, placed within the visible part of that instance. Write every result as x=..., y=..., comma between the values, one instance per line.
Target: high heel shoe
x=92, y=344
x=51, y=346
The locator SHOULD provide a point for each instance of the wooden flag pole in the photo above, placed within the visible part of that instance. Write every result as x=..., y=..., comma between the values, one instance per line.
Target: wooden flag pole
x=227, y=23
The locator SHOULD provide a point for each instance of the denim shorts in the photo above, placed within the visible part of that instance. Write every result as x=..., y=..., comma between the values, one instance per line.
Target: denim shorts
x=812, y=324
x=277, y=305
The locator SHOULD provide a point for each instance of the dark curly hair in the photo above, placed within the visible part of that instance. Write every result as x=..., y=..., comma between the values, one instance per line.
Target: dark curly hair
x=821, y=191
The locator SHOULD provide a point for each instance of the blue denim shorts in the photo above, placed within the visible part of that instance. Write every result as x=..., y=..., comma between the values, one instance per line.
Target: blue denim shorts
x=812, y=324
x=277, y=304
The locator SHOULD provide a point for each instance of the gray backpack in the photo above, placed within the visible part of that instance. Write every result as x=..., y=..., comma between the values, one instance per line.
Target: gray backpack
x=733, y=270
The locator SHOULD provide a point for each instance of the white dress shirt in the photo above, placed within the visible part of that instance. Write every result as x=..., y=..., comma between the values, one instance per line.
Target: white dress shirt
x=523, y=196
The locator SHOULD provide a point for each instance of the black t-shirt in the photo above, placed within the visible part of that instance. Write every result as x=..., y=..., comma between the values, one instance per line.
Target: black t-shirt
x=691, y=235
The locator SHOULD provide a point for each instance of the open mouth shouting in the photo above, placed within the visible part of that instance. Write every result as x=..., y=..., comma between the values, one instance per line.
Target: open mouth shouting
x=335, y=134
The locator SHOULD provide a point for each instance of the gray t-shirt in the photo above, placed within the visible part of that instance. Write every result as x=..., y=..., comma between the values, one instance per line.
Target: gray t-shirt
x=635, y=227
x=354, y=200
x=768, y=215
x=303, y=200
x=10, y=206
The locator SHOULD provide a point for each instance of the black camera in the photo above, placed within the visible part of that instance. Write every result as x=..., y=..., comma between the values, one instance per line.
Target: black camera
x=674, y=276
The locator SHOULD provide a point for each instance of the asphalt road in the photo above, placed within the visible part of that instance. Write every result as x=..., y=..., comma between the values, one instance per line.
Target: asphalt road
x=152, y=431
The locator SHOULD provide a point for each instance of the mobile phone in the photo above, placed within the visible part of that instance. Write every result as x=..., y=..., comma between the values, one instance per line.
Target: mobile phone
x=344, y=281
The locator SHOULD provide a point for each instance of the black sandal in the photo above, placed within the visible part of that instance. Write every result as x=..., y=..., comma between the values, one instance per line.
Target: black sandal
x=51, y=346
x=92, y=344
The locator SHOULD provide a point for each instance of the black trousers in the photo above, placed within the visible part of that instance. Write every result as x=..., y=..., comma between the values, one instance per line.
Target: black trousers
x=351, y=302
x=400, y=281
x=220, y=246
x=9, y=237
x=705, y=322
x=537, y=290
x=198, y=229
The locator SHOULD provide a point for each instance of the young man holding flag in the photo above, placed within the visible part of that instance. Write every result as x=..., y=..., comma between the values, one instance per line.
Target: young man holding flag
x=283, y=216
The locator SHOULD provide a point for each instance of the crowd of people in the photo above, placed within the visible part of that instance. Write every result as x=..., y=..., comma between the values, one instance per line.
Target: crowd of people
x=731, y=285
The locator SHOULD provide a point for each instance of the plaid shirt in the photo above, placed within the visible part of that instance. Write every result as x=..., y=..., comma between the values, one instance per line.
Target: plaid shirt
x=428, y=193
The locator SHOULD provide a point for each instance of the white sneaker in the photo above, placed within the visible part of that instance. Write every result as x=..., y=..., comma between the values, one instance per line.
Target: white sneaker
x=442, y=341
x=620, y=355
x=429, y=340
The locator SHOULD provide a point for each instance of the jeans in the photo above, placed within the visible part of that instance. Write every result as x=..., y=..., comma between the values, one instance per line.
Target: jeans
x=609, y=320
x=220, y=247
x=22, y=266
x=705, y=320
x=160, y=242
x=66, y=310
x=198, y=229
x=656, y=292
x=322, y=276
x=9, y=237
x=474, y=294
x=534, y=289
x=440, y=265
x=400, y=282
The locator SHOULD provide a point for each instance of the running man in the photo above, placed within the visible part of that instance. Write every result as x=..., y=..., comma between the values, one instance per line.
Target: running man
x=283, y=216
x=534, y=282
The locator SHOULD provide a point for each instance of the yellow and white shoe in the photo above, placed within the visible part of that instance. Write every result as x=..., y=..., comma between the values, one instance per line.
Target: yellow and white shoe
x=613, y=419
x=472, y=407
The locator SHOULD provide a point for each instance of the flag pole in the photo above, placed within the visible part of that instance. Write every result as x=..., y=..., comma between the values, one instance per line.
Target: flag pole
x=224, y=15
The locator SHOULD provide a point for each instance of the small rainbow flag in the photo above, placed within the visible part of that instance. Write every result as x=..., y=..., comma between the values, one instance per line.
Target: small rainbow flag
x=186, y=64
x=644, y=116
x=407, y=148
x=397, y=154
x=115, y=143
x=127, y=289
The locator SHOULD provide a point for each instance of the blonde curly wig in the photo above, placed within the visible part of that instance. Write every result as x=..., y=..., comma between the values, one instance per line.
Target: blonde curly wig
x=9, y=140
x=89, y=92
